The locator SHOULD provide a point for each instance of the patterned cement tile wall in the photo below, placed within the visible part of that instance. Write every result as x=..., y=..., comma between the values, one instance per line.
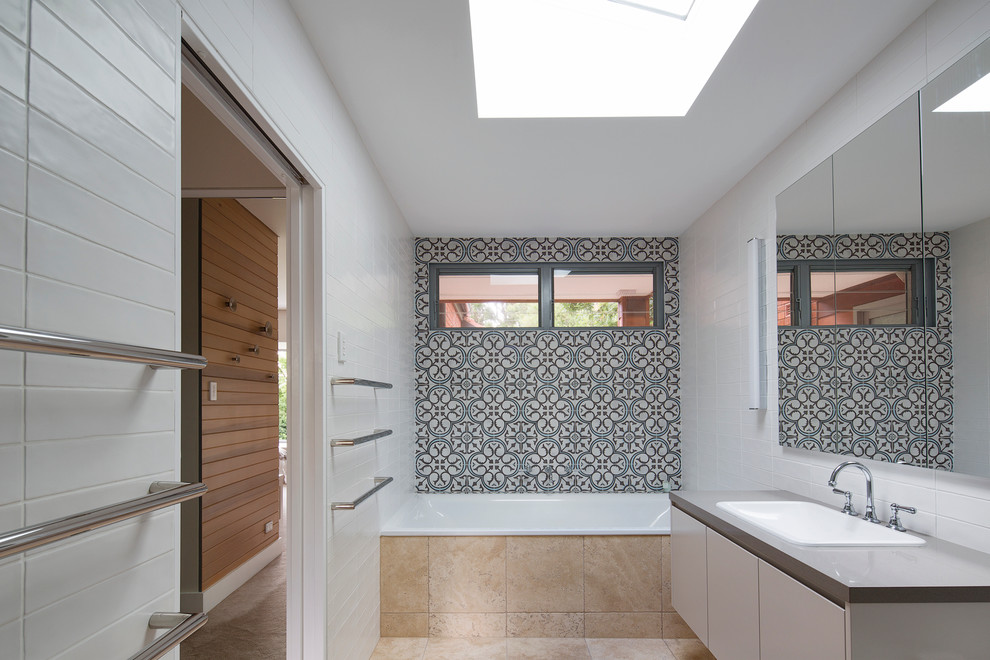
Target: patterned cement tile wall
x=877, y=392
x=528, y=586
x=593, y=410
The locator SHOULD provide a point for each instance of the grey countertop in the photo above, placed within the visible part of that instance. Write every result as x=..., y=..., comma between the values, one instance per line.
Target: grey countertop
x=938, y=571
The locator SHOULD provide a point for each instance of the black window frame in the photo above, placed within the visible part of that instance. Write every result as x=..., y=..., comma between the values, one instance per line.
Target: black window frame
x=922, y=294
x=544, y=271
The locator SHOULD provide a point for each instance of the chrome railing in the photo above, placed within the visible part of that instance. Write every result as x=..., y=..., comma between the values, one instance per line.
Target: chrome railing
x=377, y=384
x=380, y=482
x=36, y=341
x=161, y=494
x=182, y=626
x=361, y=439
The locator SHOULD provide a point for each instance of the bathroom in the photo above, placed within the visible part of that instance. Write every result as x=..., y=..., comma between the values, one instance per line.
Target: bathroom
x=403, y=184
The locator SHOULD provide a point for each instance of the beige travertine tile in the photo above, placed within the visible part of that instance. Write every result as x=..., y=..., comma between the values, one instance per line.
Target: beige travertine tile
x=400, y=648
x=667, y=604
x=547, y=649
x=545, y=624
x=465, y=649
x=623, y=624
x=629, y=649
x=544, y=573
x=689, y=649
x=404, y=573
x=483, y=624
x=622, y=574
x=405, y=624
x=467, y=574
x=674, y=627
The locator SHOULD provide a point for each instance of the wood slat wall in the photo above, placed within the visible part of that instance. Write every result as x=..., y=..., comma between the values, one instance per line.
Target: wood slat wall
x=240, y=428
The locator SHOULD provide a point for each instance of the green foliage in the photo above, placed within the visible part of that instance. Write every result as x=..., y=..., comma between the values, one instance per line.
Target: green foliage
x=283, y=415
x=505, y=314
x=586, y=315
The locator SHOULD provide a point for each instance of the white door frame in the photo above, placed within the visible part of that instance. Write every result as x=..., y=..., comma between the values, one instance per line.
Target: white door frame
x=306, y=596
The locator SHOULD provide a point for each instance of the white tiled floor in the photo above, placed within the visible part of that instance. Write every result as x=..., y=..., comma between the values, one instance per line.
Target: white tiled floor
x=441, y=648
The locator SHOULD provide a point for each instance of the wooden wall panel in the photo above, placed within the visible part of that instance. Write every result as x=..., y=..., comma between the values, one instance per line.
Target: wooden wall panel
x=240, y=429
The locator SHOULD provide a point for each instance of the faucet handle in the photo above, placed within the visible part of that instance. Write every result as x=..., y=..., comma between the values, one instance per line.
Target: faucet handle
x=895, y=520
x=848, y=507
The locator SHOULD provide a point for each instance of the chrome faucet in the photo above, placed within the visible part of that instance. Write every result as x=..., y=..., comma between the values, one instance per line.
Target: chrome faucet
x=870, y=514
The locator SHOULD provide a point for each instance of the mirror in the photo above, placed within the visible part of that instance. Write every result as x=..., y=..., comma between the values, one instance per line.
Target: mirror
x=884, y=285
x=956, y=147
x=852, y=269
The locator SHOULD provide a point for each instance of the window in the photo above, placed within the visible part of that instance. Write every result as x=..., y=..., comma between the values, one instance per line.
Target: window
x=545, y=296
x=856, y=292
x=494, y=299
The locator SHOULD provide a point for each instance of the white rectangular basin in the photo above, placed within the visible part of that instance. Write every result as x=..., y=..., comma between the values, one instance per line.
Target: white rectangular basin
x=807, y=523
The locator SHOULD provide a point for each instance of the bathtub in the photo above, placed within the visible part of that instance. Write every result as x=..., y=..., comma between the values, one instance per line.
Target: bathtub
x=531, y=514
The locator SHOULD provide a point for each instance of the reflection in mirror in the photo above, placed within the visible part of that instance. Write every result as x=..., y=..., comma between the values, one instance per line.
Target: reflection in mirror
x=956, y=148
x=852, y=378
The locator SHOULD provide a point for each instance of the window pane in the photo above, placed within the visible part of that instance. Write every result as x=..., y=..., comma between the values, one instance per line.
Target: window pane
x=488, y=300
x=602, y=300
x=784, y=297
x=861, y=297
x=823, y=298
x=872, y=297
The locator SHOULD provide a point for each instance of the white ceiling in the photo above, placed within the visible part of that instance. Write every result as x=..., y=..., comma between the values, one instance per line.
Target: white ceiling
x=404, y=70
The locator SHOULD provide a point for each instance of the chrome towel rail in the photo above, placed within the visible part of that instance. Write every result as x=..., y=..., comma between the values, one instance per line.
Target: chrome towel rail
x=161, y=494
x=361, y=439
x=36, y=341
x=377, y=384
x=182, y=626
x=380, y=482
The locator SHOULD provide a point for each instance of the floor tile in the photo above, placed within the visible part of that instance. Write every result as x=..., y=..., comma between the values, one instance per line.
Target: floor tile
x=465, y=649
x=535, y=648
x=400, y=648
x=689, y=649
x=629, y=649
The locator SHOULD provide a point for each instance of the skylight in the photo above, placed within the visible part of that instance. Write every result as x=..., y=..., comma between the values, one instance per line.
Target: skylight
x=598, y=58
x=975, y=98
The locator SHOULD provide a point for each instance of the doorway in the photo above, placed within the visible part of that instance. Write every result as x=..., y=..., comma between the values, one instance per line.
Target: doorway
x=242, y=418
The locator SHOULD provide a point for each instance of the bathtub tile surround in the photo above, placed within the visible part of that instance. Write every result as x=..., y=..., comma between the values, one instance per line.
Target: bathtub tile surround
x=528, y=586
x=598, y=410
x=862, y=390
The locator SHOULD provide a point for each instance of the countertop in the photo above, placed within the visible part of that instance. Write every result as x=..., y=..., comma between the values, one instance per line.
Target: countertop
x=937, y=572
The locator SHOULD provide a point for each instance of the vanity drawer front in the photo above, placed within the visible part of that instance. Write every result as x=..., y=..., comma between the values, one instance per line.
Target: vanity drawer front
x=733, y=600
x=689, y=574
x=795, y=622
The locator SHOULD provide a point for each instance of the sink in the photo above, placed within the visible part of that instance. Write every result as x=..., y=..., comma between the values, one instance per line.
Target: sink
x=807, y=523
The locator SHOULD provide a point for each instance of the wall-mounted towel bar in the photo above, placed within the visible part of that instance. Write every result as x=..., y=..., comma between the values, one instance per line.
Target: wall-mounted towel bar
x=36, y=341
x=182, y=626
x=161, y=494
x=380, y=482
x=361, y=439
x=377, y=384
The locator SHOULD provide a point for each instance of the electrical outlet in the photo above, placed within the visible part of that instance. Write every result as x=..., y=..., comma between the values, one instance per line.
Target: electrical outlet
x=341, y=347
x=269, y=526
x=213, y=390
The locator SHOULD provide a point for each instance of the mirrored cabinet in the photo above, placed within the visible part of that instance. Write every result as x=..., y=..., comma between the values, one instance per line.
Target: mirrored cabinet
x=883, y=285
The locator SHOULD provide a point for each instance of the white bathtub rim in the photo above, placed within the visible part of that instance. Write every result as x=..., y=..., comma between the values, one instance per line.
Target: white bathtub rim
x=436, y=514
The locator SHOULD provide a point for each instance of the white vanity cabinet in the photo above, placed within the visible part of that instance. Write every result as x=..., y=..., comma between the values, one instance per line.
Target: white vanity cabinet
x=743, y=608
x=795, y=622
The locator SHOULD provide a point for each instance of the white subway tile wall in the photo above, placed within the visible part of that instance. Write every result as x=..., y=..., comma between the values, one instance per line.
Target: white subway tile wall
x=727, y=446
x=88, y=233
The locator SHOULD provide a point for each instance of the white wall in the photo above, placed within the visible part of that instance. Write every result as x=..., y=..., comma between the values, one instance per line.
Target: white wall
x=369, y=291
x=88, y=245
x=727, y=446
